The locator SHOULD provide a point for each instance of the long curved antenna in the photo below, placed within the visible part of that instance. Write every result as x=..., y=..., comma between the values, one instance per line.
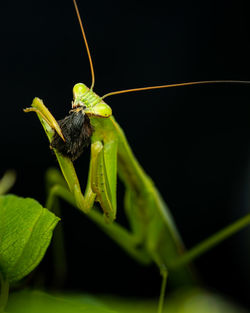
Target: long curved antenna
x=177, y=85
x=86, y=45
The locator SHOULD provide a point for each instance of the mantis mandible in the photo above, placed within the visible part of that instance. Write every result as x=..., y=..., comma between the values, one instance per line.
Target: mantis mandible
x=153, y=236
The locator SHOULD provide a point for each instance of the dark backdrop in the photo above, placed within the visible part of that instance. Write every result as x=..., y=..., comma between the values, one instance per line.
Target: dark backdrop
x=192, y=141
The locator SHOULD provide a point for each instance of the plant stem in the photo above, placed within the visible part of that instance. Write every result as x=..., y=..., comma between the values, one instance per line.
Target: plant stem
x=4, y=292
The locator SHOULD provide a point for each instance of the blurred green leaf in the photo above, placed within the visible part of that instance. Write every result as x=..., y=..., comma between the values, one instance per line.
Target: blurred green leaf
x=40, y=302
x=25, y=233
x=194, y=300
x=184, y=301
x=7, y=181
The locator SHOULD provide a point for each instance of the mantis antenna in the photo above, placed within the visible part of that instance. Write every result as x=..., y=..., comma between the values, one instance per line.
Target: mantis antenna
x=203, y=82
x=86, y=45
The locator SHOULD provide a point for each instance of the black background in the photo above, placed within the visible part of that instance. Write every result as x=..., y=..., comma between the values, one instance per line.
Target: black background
x=192, y=141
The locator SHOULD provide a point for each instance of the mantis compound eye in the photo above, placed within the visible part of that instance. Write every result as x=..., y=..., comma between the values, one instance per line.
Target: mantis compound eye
x=79, y=90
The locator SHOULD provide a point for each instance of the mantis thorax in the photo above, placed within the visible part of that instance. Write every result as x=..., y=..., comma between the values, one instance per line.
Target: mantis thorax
x=93, y=104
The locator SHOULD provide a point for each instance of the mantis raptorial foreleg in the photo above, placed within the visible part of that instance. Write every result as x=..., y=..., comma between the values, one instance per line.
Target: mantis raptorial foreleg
x=103, y=177
x=48, y=118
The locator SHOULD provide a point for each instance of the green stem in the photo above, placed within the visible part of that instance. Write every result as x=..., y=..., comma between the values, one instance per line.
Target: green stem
x=4, y=292
x=163, y=290
x=212, y=241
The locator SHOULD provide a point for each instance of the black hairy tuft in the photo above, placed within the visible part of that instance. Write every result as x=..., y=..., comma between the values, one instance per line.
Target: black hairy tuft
x=77, y=131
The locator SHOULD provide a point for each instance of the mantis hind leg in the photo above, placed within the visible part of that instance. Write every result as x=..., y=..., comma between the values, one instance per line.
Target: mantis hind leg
x=211, y=242
x=119, y=234
x=133, y=209
x=53, y=179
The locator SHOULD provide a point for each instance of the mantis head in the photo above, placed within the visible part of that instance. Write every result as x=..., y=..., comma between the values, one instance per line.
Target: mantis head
x=93, y=104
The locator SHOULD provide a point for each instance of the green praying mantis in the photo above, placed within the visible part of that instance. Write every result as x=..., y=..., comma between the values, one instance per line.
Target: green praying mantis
x=153, y=236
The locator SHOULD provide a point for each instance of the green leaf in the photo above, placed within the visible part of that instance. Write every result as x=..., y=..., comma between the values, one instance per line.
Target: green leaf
x=25, y=233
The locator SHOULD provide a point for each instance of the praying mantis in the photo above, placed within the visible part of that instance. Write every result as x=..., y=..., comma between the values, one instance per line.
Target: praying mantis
x=153, y=236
